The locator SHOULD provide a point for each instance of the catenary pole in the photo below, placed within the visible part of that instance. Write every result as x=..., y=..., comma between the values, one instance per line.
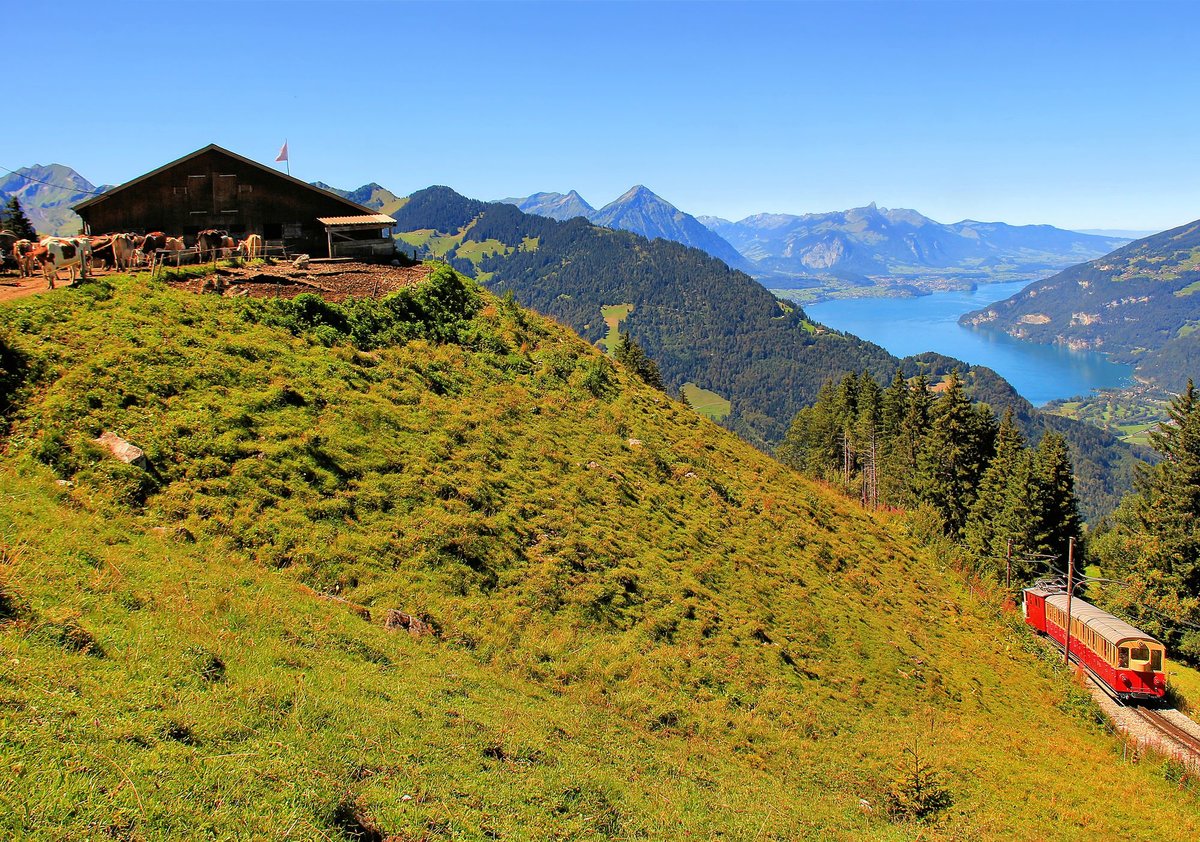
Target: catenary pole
x=1070, y=592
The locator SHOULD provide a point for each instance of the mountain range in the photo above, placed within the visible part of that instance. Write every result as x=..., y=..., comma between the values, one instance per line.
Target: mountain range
x=1140, y=304
x=641, y=211
x=47, y=194
x=560, y=206
x=874, y=246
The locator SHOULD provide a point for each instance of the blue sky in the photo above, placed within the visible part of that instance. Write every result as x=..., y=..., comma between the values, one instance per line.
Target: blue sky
x=1081, y=115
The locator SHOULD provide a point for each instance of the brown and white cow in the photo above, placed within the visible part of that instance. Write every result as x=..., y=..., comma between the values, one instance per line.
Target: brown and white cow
x=211, y=242
x=56, y=254
x=123, y=247
x=254, y=246
x=175, y=245
x=23, y=253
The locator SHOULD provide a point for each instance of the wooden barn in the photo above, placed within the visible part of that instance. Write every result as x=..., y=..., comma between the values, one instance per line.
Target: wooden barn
x=213, y=188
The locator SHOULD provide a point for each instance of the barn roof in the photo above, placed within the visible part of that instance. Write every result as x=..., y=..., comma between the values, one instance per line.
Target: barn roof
x=211, y=148
x=371, y=219
x=1113, y=629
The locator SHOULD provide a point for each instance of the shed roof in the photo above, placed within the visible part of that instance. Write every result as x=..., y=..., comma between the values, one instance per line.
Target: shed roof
x=1113, y=629
x=108, y=194
x=373, y=220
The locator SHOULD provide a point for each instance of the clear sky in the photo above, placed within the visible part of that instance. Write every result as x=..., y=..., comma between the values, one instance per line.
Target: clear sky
x=1081, y=115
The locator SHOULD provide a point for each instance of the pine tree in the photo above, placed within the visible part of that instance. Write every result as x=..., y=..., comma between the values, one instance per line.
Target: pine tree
x=989, y=526
x=14, y=220
x=1057, y=509
x=954, y=455
x=1153, y=539
x=633, y=357
x=899, y=486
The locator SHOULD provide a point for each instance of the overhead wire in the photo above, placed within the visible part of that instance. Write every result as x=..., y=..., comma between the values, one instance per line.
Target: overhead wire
x=50, y=183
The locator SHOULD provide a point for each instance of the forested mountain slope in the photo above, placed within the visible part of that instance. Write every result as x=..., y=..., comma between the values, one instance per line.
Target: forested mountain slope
x=1139, y=304
x=632, y=625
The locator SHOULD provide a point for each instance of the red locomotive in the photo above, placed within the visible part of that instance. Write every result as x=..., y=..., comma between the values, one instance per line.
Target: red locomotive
x=1126, y=659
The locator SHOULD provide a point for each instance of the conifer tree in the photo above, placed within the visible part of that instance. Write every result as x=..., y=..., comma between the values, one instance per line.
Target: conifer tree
x=990, y=524
x=13, y=219
x=954, y=455
x=1056, y=508
x=631, y=355
x=1152, y=541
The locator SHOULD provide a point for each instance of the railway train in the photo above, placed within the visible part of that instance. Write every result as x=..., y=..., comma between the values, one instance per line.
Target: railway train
x=1126, y=659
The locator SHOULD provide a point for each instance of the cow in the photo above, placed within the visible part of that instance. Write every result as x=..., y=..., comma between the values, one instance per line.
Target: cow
x=56, y=254
x=254, y=247
x=210, y=243
x=175, y=245
x=23, y=250
x=123, y=247
x=228, y=244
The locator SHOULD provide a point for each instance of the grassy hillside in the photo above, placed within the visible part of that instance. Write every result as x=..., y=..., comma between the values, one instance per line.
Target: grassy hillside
x=640, y=627
x=700, y=321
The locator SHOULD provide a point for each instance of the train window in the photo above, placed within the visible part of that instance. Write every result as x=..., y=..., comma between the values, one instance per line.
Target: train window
x=1123, y=658
x=1156, y=660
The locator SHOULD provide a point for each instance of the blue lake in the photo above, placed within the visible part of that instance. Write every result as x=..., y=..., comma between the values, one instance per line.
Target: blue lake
x=907, y=326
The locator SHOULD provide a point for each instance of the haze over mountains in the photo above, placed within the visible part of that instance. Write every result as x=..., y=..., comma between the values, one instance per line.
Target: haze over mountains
x=894, y=247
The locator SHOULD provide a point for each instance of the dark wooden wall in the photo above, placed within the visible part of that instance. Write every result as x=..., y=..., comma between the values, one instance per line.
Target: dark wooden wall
x=215, y=190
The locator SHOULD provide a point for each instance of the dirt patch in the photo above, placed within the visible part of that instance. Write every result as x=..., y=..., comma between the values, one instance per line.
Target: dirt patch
x=332, y=281
x=12, y=287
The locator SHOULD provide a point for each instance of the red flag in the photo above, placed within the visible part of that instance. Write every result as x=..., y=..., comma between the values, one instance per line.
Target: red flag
x=282, y=153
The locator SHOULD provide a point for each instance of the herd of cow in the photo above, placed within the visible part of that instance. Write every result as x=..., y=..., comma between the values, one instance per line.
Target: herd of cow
x=54, y=254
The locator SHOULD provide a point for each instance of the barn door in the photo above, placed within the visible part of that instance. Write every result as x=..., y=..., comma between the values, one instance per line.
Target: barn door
x=225, y=194
x=197, y=192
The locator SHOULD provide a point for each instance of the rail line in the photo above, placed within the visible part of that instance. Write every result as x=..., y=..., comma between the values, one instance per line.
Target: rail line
x=1153, y=718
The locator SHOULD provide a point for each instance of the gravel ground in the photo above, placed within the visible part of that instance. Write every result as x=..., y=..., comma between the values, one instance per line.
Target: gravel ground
x=332, y=281
x=1145, y=735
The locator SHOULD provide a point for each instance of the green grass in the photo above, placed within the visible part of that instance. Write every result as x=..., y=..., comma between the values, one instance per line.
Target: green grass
x=709, y=404
x=613, y=315
x=646, y=628
x=476, y=251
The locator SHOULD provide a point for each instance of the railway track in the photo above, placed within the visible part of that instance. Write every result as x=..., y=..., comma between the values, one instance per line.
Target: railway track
x=1154, y=719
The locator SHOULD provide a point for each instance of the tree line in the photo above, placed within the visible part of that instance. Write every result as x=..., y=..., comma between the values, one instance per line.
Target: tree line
x=1151, y=544
x=908, y=446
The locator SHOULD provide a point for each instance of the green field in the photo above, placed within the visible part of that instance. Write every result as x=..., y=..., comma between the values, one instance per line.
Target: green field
x=1130, y=414
x=613, y=315
x=709, y=404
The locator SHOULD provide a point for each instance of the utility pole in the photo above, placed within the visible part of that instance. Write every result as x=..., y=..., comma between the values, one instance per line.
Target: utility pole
x=1070, y=592
x=1008, y=567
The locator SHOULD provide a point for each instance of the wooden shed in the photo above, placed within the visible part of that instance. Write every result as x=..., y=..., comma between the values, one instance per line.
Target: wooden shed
x=215, y=188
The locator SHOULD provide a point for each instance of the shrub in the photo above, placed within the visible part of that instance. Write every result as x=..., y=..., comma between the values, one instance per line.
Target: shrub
x=917, y=792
